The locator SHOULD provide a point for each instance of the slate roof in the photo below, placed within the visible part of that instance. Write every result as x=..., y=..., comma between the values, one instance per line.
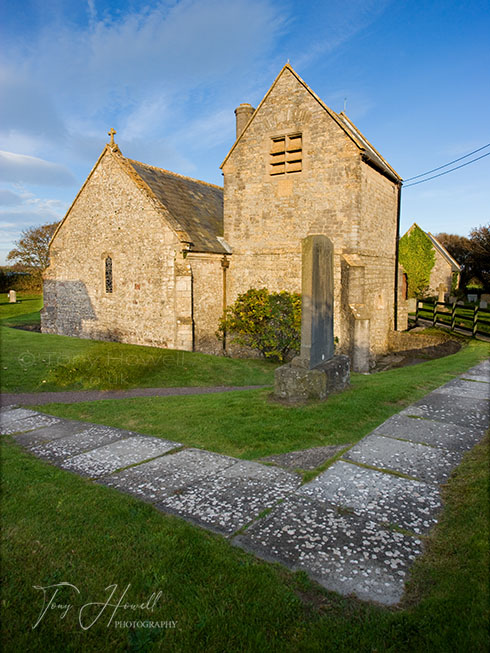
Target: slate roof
x=196, y=207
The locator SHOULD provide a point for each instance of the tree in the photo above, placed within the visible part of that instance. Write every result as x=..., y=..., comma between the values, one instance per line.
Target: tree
x=269, y=322
x=472, y=253
x=480, y=253
x=32, y=249
x=416, y=254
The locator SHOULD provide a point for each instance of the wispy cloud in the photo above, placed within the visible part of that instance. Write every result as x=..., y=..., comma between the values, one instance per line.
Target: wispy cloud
x=20, y=168
x=7, y=198
x=340, y=21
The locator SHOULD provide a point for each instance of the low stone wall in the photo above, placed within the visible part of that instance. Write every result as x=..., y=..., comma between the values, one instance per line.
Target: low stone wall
x=406, y=340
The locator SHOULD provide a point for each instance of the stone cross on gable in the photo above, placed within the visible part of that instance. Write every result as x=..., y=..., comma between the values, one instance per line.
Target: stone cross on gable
x=111, y=133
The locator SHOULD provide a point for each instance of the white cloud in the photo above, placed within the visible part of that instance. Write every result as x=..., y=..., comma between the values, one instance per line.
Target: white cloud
x=7, y=198
x=27, y=107
x=340, y=21
x=20, y=168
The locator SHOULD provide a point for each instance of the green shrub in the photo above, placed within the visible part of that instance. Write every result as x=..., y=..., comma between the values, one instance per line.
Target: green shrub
x=268, y=322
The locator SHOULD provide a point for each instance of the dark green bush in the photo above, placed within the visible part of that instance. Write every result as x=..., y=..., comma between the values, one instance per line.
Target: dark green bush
x=268, y=322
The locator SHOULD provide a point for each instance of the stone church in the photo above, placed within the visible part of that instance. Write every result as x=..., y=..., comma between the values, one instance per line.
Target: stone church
x=148, y=256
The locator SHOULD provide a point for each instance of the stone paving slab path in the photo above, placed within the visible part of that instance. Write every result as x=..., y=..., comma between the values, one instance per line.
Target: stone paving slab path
x=117, y=455
x=232, y=498
x=463, y=411
x=411, y=505
x=167, y=475
x=345, y=553
x=411, y=458
x=444, y=435
x=342, y=527
x=65, y=447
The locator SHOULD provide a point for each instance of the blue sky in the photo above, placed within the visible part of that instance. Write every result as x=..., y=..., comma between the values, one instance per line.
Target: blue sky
x=168, y=75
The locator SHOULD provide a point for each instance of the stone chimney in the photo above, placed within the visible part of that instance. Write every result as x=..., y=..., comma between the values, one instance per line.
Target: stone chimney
x=243, y=114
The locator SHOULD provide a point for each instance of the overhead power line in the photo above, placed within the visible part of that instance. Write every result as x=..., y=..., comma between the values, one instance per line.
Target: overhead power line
x=450, y=163
x=447, y=171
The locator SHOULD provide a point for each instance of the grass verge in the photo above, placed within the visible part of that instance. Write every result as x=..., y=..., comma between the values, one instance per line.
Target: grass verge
x=33, y=362
x=59, y=528
x=249, y=425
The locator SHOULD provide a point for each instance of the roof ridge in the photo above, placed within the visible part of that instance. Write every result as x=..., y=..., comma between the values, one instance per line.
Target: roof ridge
x=175, y=174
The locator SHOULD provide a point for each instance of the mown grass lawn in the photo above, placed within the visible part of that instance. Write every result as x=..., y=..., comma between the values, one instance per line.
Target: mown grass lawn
x=33, y=362
x=59, y=528
x=248, y=424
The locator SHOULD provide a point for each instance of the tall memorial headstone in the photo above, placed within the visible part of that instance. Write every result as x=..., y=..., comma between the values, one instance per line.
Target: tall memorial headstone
x=316, y=372
x=317, y=343
x=12, y=297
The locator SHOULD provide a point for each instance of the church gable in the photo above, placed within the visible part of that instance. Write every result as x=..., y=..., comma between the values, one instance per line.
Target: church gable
x=293, y=171
x=286, y=110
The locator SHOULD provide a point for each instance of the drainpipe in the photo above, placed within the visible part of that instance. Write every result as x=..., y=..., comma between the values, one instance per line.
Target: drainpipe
x=225, y=264
x=398, y=212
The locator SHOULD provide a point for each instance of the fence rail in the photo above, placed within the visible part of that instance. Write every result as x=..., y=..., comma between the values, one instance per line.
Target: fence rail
x=457, y=317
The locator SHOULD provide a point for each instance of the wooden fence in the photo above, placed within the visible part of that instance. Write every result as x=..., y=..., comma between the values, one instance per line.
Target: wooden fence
x=469, y=318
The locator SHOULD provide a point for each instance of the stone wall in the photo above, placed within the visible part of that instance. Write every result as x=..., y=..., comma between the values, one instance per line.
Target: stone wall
x=113, y=217
x=335, y=194
x=440, y=273
x=207, y=275
x=407, y=340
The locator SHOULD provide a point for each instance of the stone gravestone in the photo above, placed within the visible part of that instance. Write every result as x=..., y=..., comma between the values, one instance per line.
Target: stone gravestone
x=12, y=297
x=442, y=293
x=484, y=300
x=442, y=289
x=317, y=301
x=316, y=372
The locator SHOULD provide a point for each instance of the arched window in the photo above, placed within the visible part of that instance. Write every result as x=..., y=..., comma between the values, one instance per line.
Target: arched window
x=108, y=274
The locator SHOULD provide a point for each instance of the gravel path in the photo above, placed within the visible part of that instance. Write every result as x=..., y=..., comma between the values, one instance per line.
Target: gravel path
x=72, y=397
x=356, y=528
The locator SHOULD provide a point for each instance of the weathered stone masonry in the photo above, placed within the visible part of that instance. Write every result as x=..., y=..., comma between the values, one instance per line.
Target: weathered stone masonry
x=296, y=169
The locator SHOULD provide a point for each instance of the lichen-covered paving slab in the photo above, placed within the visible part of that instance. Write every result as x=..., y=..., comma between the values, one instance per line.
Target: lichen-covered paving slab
x=343, y=552
x=464, y=411
x=234, y=497
x=27, y=423
x=165, y=475
x=462, y=388
x=106, y=459
x=91, y=438
x=444, y=435
x=411, y=505
x=63, y=429
x=10, y=415
x=416, y=460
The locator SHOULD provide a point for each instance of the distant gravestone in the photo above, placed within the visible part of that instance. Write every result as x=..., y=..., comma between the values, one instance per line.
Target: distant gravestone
x=442, y=289
x=472, y=298
x=316, y=372
x=483, y=303
x=12, y=297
